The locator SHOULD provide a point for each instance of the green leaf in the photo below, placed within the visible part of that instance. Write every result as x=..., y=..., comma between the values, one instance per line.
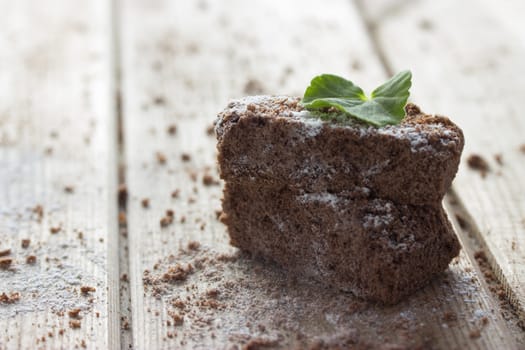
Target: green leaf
x=385, y=105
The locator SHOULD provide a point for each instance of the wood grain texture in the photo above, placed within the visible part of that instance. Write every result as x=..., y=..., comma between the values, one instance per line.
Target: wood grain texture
x=468, y=62
x=57, y=149
x=182, y=61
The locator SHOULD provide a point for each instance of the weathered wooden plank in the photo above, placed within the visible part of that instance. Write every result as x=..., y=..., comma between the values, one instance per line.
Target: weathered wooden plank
x=467, y=63
x=182, y=61
x=57, y=175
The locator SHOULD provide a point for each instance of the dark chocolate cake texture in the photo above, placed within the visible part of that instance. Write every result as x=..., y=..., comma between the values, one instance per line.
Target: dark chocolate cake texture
x=354, y=206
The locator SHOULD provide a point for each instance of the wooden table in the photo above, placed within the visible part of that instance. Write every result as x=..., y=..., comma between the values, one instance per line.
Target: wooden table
x=96, y=94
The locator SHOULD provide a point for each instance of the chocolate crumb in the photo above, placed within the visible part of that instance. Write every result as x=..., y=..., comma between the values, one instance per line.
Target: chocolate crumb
x=5, y=263
x=476, y=162
x=175, y=194
x=10, y=298
x=185, y=157
x=499, y=158
x=462, y=222
x=210, y=130
x=39, y=211
x=159, y=100
x=177, y=273
x=87, y=289
x=253, y=87
x=75, y=324
x=172, y=129
x=450, y=316
x=177, y=318
x=25, y=243
x=122, y=218
x=74, y=313
x=161, y=158
x=212, y=293
x=166, y=221
x=475, y=333
x=170, y=213
x=69, y=189
x=31, y=259
x=122, y=194
x=5, y=252
x=194, y=245
x=145, y=203
x=208, y=180
x=55, y=229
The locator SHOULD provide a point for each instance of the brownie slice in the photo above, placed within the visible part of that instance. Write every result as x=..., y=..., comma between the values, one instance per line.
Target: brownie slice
x=350, y=205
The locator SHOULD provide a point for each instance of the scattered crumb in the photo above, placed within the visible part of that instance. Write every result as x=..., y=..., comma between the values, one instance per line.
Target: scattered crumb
x=122, y=218
x=55, y=229
x=522, y=148
x=185, y=157
x=74, y=313
x=210, y=130
x=159, y=100
x=145, y=203
x=194, y=245
x=476, y=162
x=10, y=298
x=161, y=158
x=87, y=289
x=450, y=316
x=177, y=272
x=462, y=222
x=69, y=189
x=208, y=180
x=75, y=324
x=5, y=252
x=25, y=243
x=172, y=129
x=499, y=158
x=39, y=211
x=122, y=194
x=166, y=221
x=31, y=259
x=177, y=318
x=259, y=343
x=5, y=263
x=170, y=213
x=253, y=87
x=175, y=194
x=475, y=333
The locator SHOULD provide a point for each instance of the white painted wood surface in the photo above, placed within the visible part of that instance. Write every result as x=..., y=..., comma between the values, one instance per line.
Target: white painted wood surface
x=182, y=61
x=468, y=62
x=57, y=130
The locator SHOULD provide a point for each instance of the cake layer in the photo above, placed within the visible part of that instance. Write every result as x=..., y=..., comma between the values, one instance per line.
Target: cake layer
x=375, y=248
x=272, y=140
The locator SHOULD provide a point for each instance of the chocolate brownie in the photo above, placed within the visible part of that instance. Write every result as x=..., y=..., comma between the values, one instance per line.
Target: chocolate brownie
x=353, y=206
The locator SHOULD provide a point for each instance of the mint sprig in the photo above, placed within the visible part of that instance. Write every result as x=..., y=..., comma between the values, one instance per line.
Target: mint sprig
x=384, y=106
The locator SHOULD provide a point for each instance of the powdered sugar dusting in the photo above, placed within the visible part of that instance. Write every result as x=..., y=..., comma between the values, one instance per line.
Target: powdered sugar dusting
x=381, y=215
x=320, y=197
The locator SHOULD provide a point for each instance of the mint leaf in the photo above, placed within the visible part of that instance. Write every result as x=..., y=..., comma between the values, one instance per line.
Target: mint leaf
x=384, y=106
